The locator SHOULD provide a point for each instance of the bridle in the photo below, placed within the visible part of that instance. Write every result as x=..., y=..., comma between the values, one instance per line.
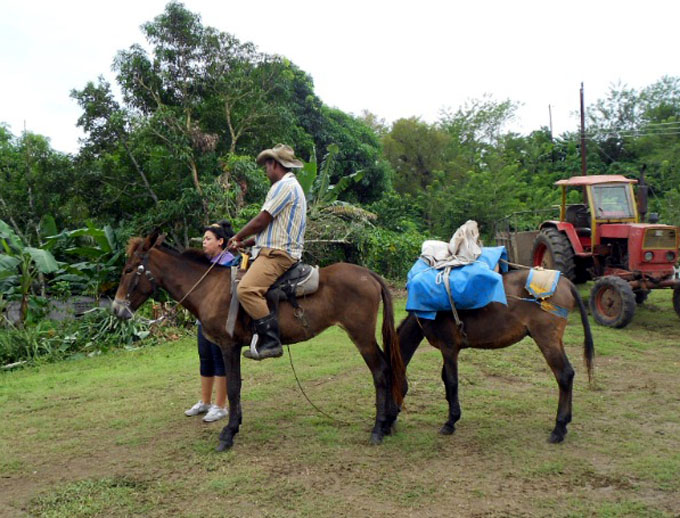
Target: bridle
x=142, y=269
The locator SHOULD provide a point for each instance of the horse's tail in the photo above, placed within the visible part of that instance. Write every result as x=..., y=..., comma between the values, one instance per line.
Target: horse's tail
x=588, y=348
x=391, y=343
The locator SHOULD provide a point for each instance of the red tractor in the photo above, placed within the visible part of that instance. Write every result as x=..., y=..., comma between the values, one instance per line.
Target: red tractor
x=602, y=239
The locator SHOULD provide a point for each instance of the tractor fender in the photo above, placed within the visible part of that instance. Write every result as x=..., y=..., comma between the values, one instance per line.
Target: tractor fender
x=570, y=232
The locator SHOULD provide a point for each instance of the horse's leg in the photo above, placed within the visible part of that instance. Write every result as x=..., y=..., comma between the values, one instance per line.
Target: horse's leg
x=232, y=365
x=410, y=335
x=450, y=379
x=550, y=344
x=443, y=334
x=377, y=363
x=386, y=408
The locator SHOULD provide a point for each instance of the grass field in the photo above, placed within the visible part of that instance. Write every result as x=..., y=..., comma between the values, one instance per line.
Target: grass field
x=107, y=437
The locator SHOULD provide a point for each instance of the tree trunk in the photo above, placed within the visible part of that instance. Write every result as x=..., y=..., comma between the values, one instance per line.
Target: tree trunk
x=140, y=172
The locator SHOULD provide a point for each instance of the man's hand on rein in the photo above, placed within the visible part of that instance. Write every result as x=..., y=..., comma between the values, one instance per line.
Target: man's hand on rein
x=234, y=243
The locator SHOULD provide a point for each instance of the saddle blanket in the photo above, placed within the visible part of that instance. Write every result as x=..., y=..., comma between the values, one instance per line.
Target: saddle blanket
x=541, y=285
x=473, y=286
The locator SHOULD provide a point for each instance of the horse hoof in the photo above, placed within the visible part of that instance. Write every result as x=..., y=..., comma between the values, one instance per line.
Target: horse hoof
x=376, y=438
x=447, y=429
x=389, y=429
x=223, y=446
x=555, y=438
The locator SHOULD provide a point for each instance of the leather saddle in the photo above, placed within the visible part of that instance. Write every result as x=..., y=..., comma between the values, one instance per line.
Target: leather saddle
x=300, y=279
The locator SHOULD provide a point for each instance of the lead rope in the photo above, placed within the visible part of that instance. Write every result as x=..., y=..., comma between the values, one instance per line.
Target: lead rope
x=332, y=418
x=515, y=265
x=300, y=315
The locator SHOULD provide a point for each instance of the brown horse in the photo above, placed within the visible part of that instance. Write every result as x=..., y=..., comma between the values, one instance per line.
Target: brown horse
x=348, y=296
x=496, y=326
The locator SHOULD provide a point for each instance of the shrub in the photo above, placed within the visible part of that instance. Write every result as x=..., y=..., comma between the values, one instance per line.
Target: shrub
x=389, y=253
x=95, y=332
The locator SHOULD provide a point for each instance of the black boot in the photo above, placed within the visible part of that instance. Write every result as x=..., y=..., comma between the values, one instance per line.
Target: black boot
x=268, y=342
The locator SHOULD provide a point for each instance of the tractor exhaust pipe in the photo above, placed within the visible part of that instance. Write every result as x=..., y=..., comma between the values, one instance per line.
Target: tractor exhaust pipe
x=642, y=194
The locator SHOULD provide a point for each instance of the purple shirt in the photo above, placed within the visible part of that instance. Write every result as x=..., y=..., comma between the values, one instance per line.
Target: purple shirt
x=224, y=259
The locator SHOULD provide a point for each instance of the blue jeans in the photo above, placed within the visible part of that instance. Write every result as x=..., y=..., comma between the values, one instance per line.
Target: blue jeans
x=212, y=363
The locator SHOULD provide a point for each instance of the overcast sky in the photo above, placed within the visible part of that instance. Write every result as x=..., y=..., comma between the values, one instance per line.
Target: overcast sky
x=394, y=58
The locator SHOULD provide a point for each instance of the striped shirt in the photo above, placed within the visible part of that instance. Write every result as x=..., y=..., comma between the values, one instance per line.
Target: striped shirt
x=287, y=206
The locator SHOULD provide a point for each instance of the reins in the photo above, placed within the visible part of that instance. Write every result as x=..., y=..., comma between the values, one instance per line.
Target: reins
x=173, y=309
x=322, y=412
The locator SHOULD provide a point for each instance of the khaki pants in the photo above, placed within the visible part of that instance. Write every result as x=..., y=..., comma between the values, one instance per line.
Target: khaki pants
x=269, y=265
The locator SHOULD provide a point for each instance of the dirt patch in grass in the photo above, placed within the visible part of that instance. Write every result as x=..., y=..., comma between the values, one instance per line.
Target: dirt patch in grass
x=107, y=437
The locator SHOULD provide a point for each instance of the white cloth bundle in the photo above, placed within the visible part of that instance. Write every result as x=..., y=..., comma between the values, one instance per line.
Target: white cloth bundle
x=464, y=248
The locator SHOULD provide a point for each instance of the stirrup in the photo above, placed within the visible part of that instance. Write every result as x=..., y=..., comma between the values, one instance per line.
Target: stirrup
x=270, y=352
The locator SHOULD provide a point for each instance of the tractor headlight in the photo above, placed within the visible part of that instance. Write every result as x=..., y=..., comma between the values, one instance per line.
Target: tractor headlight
x=670, y=256
x=649, y=256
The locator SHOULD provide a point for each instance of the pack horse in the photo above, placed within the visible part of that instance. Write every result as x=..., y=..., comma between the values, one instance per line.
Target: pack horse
x=497, y=325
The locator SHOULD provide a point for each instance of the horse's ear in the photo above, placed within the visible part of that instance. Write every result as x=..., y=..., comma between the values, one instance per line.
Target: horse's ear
x=150, y=240
x=159, y=240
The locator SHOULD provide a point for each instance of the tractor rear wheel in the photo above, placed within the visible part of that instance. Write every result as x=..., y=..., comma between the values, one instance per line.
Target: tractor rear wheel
x=676, y=301
x=612, y=302
x=553, y=251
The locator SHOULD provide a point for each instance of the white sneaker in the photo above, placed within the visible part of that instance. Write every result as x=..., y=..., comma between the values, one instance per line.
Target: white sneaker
x=198, y=408
x=215, y=414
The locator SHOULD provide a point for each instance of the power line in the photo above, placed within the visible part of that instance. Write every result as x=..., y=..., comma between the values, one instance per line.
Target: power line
x=675, y=123
x=632, y=133
x=595, y=138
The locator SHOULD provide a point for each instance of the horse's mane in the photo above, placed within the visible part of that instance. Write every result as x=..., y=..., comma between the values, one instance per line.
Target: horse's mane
x=194, y=255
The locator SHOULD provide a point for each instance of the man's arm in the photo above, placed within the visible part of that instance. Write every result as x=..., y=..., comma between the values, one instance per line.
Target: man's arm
x=255, y=225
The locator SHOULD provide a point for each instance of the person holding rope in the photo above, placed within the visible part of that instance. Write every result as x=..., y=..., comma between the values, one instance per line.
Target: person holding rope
x=279, y=231
x=211, y=362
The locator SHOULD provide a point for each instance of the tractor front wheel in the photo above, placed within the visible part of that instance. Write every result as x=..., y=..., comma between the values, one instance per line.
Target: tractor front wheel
x=676, y=301
x=552, y=250
x=612, y=302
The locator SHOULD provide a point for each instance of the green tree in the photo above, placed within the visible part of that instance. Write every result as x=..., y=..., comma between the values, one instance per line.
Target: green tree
x=358, y=150
x=416, y=151
x=34, y=180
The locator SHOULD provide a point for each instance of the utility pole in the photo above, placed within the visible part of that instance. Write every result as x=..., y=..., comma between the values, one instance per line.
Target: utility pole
x=550, y=117
x=584, y=170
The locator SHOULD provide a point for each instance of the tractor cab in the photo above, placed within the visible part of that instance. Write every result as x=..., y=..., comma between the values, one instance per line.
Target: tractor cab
x=607, y=199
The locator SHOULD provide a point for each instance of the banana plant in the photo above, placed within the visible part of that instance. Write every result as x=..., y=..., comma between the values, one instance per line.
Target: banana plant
x=20, y=265
x=101, y=254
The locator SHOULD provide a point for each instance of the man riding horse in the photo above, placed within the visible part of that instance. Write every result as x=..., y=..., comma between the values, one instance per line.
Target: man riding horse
x=279, y=231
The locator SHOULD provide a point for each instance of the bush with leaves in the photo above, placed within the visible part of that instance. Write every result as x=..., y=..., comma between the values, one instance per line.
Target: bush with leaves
x=389, y=253
x=95, y=332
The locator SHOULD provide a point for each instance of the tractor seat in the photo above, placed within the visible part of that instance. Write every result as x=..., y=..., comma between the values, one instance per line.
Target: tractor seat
x=578, y=216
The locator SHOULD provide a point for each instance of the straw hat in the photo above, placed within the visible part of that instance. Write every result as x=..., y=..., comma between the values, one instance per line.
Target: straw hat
x=282, y=153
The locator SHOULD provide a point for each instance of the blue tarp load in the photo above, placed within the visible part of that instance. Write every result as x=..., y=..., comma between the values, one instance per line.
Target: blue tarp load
x=473, y=285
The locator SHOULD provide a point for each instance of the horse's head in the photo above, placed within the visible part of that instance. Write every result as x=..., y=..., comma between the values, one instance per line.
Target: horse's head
x=136, y=282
